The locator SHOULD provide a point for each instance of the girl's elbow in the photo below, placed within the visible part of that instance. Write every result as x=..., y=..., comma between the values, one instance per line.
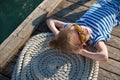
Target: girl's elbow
x=104, y=58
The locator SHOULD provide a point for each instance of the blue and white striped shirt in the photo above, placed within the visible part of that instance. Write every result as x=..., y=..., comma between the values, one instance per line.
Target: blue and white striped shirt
x=101, y=18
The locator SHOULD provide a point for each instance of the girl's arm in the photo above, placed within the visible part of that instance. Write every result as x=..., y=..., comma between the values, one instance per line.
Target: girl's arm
x=55, y=25
x=101, y=55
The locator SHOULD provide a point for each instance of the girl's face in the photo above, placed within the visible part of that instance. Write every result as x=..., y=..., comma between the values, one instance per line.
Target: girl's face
x=82, y=33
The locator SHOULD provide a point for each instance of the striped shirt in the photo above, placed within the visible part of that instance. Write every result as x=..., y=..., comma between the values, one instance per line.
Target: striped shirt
x=101, y=18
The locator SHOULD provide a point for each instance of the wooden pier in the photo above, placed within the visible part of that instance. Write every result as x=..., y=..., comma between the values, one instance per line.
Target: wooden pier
x=69, y=11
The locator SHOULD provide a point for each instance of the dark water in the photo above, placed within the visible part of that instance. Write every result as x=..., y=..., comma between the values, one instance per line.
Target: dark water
x=12, y=13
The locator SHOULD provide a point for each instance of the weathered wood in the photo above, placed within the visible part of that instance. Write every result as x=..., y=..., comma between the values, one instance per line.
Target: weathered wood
x=114, y=42
x=50, y=5
x=111, y=66
x=114, y=53
x=70, y=12
x=12, y=44
x=105, y=75
x=82, y=2
x=116, y=31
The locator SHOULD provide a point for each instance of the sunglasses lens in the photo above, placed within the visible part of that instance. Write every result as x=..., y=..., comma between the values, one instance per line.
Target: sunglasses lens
x=78, y=28
x=82, y=36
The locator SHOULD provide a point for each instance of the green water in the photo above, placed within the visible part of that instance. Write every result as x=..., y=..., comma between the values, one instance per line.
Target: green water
x=12, y=13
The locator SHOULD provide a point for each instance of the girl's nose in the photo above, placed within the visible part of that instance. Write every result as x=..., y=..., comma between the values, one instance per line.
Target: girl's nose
x=85, y=31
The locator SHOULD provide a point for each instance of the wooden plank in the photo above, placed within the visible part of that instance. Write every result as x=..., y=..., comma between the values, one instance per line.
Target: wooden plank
x=111, y=66
x=8, y=69
x=114, y=42
x=12, y=44
x=50, y=5
x=105, y=75
x=83, y=2
x=3, y=77
x=70, y=11
x=114, y=53
x=76, y=1
x=116, y=31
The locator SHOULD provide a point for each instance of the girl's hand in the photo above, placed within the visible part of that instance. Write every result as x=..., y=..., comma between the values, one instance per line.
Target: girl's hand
x=55, y=25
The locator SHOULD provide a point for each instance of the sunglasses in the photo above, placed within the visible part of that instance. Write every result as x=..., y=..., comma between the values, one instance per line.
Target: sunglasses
x=82, y=36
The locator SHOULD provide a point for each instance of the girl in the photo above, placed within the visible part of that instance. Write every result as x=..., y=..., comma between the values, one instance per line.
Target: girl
x=95, y=25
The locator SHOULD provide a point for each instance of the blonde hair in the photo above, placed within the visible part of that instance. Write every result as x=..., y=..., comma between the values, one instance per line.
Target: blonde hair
x=64, y=41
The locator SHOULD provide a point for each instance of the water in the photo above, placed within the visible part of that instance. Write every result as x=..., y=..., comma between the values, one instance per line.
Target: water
x=12, y=13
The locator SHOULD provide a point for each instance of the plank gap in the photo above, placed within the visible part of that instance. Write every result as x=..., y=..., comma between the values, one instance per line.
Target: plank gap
x=114, y=59
x=109, y=71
